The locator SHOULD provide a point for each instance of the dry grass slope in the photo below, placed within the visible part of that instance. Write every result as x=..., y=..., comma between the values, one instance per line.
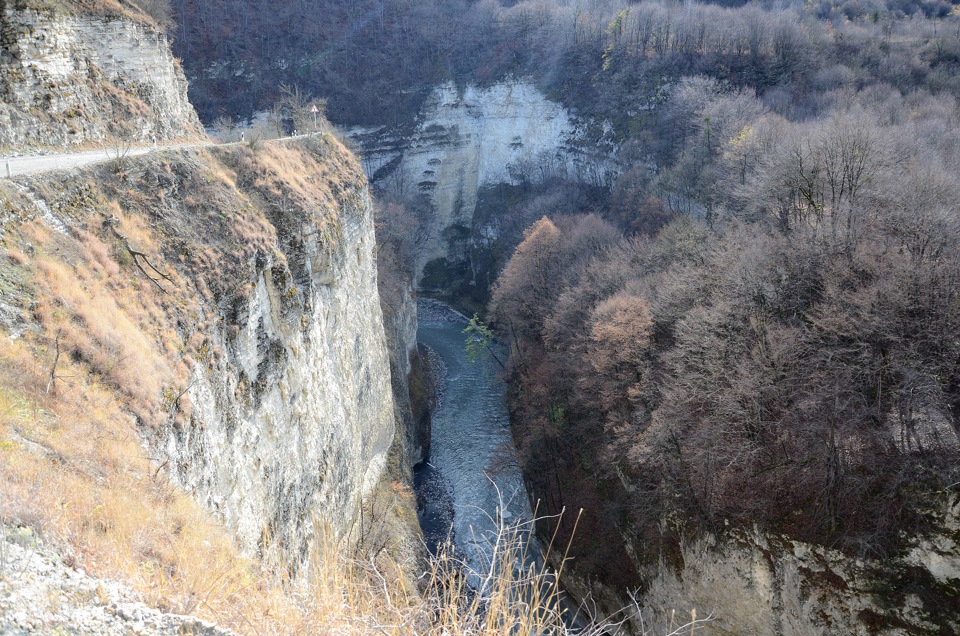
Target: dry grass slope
x=154, y=12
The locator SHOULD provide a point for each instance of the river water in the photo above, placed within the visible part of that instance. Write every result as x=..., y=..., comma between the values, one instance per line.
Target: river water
x=468, y=475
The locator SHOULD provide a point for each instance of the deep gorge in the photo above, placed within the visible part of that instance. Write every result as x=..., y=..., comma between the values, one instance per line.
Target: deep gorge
x=714, y=247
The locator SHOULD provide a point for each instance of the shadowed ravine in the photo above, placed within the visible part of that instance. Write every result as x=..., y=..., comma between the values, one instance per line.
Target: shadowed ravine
x=470, y=442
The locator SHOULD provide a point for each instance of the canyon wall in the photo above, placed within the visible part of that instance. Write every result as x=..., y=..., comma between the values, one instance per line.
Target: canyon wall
x=748, y=583
x=68, y=79
x=229, y=299
x=292, y=426
x=467, y=138
x=398, y=301
x=751, y=583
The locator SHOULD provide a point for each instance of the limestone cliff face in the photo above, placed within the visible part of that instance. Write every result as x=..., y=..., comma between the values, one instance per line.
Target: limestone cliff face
x=772, y=586
x=399, y=305
x=68, y=79
x=465, y=139
x=246, y=343
x=293, y=424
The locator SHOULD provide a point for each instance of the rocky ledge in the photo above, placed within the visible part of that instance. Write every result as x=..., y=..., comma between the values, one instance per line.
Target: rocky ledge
x=39, y=593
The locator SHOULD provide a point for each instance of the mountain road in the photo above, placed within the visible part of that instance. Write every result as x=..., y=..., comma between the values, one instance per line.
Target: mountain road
x=14, y=166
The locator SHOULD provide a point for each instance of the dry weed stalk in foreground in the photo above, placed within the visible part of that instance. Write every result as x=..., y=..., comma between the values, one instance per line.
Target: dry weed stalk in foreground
x=508, y=589
x=506, y=592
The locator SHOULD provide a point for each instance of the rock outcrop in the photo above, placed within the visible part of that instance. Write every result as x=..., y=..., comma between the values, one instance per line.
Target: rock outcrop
x=68, y=79
x=292, y=426
x=750, y=583
x=399, y=305
x=40, y=594
x=473, y=137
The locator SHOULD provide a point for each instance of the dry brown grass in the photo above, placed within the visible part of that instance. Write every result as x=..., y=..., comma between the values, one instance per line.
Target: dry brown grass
x=507, y=592
x=71, y=459
x=72, y=466
x=109, y=8
x=310, y=179
x=350, y=596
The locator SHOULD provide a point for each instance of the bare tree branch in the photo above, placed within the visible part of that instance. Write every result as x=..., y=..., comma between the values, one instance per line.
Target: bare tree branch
x=138, y=256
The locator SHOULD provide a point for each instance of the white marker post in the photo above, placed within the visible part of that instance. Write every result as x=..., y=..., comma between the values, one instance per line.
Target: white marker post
x=314, y=110
x=8, y=168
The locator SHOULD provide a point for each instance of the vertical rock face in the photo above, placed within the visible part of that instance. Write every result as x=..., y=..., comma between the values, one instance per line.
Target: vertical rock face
x=474, y=137
x=292, y=425
x=752, y=583
x=74, y=79
x=400, y=322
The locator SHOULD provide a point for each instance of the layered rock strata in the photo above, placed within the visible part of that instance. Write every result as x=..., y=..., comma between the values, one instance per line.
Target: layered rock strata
x=261, y=382
x=468, y=138
x=73, y=79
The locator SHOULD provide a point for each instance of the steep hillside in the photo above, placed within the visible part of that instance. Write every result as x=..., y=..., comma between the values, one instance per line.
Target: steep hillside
x=768, y=395
x=195, y=399
x=220, y=307
x=733, y=328
x=78, y=73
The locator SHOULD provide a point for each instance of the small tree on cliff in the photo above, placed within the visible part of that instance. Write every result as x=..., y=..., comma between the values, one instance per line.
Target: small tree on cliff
x=479, y=339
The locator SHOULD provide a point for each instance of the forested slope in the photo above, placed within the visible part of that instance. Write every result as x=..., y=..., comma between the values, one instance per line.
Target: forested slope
x=375, y=59
x=792, y=366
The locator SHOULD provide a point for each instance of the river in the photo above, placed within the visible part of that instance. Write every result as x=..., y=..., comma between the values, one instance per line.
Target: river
x=469, y=472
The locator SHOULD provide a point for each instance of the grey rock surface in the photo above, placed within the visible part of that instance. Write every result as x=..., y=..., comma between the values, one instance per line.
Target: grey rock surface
x=479, y=136
x=293, y=426
x=39, y=594
x=67, y=80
